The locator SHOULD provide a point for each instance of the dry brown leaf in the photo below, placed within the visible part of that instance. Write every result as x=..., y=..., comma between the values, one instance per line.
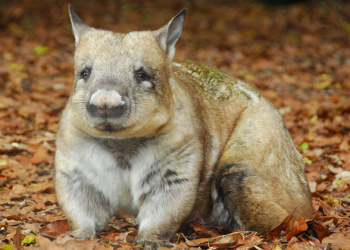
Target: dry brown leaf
x=284, y=226
x=41, y=156
x=324, y=141
x=112, y=235
x=45, y=243
x=18, y=189
x=17, y=239
x=320, y=230
x=47, y=187
x=339, y=240
x=196, y=242
x=345, y=144
x=223, y=241
x=203, y=230
x=15, y=217
x=34, y=227
x=85, y=245
x=52, y=230
x=299, y=227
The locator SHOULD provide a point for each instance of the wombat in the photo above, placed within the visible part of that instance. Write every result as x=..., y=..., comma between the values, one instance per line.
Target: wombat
x=169, y=141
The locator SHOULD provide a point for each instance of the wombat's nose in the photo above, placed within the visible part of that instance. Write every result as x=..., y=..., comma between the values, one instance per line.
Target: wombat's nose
x=106, y=104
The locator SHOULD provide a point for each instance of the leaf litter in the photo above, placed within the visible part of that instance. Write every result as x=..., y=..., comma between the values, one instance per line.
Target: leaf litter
x=296, y=55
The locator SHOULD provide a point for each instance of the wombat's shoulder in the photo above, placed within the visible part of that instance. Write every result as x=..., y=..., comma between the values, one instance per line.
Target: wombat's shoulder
x=212, y=82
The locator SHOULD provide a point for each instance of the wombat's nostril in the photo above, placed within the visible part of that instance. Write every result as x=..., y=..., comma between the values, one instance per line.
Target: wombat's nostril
x=106, y=103
x=105, y=111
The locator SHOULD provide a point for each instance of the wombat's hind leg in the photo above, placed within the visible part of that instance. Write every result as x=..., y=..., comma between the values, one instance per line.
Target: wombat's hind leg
x=247, y=199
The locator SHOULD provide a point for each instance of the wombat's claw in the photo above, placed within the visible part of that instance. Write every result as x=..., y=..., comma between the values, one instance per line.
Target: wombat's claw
x=152, y=245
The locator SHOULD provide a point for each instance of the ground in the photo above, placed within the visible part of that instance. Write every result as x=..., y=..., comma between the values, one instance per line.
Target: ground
x=298, y=56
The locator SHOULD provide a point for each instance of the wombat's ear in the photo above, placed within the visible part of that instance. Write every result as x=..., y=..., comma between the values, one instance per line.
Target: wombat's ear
x=78, y=25
x=168, y=35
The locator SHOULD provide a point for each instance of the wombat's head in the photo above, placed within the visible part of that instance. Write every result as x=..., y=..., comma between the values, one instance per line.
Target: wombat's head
x=121, y=86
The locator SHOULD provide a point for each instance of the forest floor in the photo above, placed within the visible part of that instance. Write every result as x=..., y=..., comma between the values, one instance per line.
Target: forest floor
x=298, y=56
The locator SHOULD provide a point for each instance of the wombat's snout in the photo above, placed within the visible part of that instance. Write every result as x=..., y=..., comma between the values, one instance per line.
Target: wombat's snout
x=106, y=104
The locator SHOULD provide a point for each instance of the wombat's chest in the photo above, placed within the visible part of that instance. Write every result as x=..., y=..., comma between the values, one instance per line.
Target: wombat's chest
x=119, y=177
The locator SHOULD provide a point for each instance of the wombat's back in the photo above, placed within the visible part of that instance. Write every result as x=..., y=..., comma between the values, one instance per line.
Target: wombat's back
x=213, y=83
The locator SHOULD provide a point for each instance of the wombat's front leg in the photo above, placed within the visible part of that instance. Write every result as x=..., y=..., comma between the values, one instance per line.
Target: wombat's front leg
x=86, y=207
x=164, y=207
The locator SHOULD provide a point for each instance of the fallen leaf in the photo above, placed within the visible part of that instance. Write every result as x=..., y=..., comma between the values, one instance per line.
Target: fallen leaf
x=52, y=230
x=7, y=247
x=299, y=227
x=15, y=217
x=304, y=146
x=112, y=235
x=196, y=242
x=33, y=227
x=29, y=239
x=339, y=240
x=18, y=189
x=45, y=243
x=41, y=155
x=284, y=226
x=84, y=245
x=17, y=239
x=203, y=230
x=41, y=50
x=314, y=118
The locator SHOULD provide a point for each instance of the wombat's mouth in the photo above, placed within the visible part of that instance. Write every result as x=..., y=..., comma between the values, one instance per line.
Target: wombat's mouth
x=108, y=127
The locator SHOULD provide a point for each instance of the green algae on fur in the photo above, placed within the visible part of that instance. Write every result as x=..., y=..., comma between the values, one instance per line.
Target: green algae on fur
x=214, y=83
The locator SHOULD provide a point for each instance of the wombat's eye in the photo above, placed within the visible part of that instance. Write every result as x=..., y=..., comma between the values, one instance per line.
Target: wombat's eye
x=85, y=73
x=141, y=75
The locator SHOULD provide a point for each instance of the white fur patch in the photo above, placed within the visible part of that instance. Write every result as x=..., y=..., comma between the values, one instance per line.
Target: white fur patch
x=147, y=84
x=109, y=98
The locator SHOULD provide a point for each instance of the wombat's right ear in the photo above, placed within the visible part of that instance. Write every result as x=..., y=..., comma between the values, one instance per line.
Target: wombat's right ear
x=168, y=35
x=78, y=25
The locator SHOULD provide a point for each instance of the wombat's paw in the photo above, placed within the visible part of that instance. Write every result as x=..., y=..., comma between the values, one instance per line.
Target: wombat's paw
x=152, y=245
x=82, y=233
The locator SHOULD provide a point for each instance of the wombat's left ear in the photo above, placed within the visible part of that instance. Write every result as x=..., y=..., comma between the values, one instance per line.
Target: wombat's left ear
x=78, y=25
x=168, y=35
